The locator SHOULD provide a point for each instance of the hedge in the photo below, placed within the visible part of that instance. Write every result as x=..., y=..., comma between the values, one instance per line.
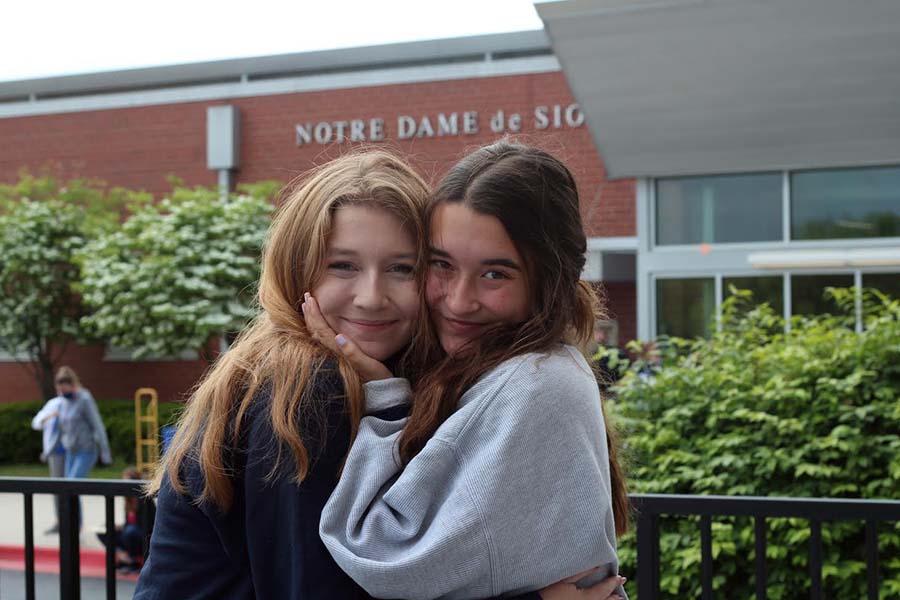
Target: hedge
x=755, y=411
x=21, y=444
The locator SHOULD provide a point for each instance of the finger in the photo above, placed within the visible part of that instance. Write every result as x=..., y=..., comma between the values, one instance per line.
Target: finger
x=316, y=324
x=368, y=368
x=581, y=575
x=606, y=588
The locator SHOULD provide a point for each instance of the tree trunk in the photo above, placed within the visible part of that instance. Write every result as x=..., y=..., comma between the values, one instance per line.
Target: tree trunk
x=43, y=373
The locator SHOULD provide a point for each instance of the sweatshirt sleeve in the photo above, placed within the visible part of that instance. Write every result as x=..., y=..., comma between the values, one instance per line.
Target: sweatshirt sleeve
x=510, y=495
x=99, y=430
x=37, y=423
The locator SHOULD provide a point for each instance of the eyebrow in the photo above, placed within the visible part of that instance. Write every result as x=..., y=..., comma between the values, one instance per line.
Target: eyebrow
x=490, y=262
x=349, y=252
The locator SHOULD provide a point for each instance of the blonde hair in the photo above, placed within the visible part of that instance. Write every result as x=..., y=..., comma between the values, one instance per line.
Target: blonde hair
x=276, y=349
x=67, y=375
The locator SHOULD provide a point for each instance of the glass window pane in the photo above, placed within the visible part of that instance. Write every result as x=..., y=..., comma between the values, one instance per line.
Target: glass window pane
x=808, y=293
x=846, y=203
x=721, y=209
x=684, y=307
x=765, y=290
x=886, y=283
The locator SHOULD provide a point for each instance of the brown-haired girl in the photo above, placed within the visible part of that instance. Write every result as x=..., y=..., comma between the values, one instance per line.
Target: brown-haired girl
x=509, y=479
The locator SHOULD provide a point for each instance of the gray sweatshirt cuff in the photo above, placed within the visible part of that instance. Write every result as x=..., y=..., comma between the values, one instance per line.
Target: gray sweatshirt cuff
x=386, y=393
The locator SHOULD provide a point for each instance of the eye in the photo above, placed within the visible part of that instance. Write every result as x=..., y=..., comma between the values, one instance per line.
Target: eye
x=496, y=275
x=341, y=266
x=439, y=263
x=402, y=268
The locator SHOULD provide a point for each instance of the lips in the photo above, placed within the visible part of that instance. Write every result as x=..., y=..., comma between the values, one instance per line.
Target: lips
x=461, y=327
x=369, y=324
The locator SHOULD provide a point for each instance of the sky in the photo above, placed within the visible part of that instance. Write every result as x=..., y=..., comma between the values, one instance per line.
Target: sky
x=43, y=38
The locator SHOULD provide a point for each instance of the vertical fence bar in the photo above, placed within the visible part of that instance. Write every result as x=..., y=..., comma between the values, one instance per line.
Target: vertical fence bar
x=760, y=543
x=110, y=548
x=29, y=545
x=815, y=559
x=648, y=556
x=69, y=576
x=706, y=556
x=147, y=516
x=872, y=558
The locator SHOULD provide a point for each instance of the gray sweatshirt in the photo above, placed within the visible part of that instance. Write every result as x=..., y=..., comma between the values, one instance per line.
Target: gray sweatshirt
x=511, y=494
x=81, y=427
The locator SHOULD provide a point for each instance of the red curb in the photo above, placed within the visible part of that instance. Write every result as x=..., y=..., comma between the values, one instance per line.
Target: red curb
x=46, y=560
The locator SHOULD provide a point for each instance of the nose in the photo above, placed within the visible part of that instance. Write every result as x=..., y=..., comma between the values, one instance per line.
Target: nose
x=461, y=297
x=370, y=292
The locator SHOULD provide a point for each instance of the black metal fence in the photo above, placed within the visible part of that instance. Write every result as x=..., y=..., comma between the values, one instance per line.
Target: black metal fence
x=649, y=507
x=68, y=491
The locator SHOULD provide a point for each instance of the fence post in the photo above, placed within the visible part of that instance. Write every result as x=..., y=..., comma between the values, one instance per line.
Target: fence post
x=69, y=559
x=647, y=555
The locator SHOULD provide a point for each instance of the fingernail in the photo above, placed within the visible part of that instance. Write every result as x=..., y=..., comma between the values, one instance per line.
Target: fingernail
x=340, y=339
x=623, y=579
x=306, y=296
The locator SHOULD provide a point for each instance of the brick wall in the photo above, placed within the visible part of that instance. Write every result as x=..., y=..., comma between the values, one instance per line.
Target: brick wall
x=139, y=147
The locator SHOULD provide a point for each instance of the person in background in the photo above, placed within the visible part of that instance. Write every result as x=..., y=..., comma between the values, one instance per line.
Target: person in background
x=129, y=537
x=82, y=433
x=53, y=453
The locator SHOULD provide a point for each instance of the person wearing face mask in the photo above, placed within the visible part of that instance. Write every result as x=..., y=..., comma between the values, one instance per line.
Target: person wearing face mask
x=81, y=429
x=504, y=477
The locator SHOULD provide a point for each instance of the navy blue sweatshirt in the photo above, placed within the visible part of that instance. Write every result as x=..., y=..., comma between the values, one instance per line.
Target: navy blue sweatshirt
x=267, y=545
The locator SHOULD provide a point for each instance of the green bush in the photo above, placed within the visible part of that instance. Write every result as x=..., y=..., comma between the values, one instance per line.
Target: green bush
x=754, y=411
x=21, y=444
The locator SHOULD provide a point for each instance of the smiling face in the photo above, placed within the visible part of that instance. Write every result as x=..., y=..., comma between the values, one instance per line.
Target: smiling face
x=368, y=290
x=476, y=276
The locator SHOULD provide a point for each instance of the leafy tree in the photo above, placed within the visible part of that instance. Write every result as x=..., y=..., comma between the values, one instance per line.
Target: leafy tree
x=176, y=274
x=39, y=311
x=44, y=223
x=756, y=411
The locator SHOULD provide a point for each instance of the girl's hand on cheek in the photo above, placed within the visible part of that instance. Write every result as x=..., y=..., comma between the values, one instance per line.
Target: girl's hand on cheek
x=368, y=368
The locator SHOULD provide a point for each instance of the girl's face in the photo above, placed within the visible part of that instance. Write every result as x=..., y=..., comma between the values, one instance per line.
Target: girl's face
x=368, y=291
x=476, y=277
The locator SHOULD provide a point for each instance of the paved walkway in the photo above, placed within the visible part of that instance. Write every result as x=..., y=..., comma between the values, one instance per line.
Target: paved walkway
x=12, y=533
x=12, y=525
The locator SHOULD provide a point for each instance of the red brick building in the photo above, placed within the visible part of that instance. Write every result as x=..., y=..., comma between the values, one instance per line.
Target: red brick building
x=429, y=100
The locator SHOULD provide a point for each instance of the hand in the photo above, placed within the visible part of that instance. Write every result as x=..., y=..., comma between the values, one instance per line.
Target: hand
x=368, y=368
x=566, y=590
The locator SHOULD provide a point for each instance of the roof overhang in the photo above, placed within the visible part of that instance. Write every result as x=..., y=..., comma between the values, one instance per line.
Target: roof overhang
x=681, y=87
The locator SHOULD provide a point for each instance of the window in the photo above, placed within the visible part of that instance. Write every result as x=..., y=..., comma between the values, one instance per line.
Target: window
x=765, y=290
x=685, y=307
x=720, y=209
x=808, y=293
x=886, y=283
x=845, y=203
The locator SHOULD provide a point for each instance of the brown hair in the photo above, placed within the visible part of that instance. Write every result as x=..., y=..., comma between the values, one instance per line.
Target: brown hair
x=534, y=196
x=67, y=375
x=276, y=350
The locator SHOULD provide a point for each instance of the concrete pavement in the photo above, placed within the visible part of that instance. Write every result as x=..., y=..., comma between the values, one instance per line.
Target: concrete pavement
x=12, y=533
x=12, y=524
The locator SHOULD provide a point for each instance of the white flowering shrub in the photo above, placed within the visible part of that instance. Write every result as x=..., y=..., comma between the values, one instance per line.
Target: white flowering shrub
x=175, y=274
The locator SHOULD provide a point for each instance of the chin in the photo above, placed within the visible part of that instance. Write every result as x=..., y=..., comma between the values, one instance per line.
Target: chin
x=377, y=351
